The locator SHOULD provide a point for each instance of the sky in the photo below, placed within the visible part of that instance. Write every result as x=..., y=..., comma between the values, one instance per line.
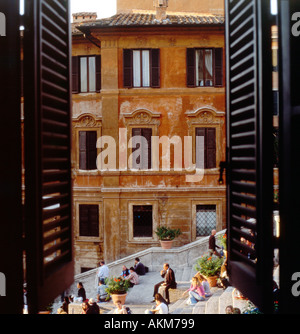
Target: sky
x=104, y=8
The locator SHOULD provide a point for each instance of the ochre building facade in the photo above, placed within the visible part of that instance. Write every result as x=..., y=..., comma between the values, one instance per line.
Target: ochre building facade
x=154, y=71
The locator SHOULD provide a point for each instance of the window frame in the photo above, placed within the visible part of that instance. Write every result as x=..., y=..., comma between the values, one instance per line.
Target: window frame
x=130, y=220
x=219, y=213
x=89, y=223
x=85, y=201
x=154, y=69
x=76, y=74
x=218, y=75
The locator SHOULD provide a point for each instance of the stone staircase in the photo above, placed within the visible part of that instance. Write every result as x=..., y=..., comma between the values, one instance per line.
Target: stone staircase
x=182, y=261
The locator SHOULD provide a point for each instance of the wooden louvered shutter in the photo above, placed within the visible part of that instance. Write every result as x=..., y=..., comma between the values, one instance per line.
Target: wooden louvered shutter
x=98, y=73
x=155, y=68
x=289, y=148
x=218, y=65
x=210, y=148
x=127, y=68
x=75, y=75
x=136, y=145
x=48, y=194
x=190, y=67
x=82, y=150
x=146, y=151
x=11, y=246
x=249, y=150
x=200, y=132
x=91, y=149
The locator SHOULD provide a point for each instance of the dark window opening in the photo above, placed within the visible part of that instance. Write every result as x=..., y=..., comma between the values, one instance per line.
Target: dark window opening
x=142, y=221
x=208, y=152
x=89, y=220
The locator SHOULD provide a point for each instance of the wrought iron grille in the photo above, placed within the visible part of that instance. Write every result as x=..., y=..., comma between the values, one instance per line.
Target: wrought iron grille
x=206, y=219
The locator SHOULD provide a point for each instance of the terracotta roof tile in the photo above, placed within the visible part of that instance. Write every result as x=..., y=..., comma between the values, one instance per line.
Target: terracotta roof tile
x=141, y=19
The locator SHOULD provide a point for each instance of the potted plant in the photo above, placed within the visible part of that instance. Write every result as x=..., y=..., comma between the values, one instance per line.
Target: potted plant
x=210, y=267
x=166, y=236
x=117, y=288
x=222, y=239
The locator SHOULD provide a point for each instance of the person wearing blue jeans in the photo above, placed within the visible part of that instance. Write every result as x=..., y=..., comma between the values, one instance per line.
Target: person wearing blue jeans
x=196, y=292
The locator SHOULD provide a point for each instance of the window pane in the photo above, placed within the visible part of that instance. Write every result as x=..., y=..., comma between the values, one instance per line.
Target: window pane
x=206, y=219
x=83, y=74
x=136, y=69
x=92, y=74
x=199, y=68
x=146, y=68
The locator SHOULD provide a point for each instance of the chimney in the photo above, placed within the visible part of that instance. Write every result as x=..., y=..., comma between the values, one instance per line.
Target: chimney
x=161, y=9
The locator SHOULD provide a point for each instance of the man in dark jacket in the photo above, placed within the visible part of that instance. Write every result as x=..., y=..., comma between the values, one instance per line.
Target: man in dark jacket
x=169, y=281
x=212, y=244
x=139, y=267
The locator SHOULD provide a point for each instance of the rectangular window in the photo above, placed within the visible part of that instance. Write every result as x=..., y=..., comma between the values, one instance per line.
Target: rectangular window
x=87, y=150
x=209, y=148
x=86, y=74
x=89, y=220
x=141, y=68
x=206, y=219
x=141, y=151
x=205, y=67
x=142, y=221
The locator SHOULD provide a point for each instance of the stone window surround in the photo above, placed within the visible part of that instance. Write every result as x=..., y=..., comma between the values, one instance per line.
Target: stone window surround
x=206, y=201
x=85, y=122
x=206, y=117
x=155, y=221
x=87, y=201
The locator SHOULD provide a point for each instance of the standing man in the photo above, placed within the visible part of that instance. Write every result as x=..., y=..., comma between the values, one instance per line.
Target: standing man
x=169, y=282
x=103, y=271
x=212, y=244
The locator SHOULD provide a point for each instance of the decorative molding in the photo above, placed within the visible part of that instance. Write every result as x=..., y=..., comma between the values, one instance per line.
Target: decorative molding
x=205, y=115
x=141, y=117
x=87, y=121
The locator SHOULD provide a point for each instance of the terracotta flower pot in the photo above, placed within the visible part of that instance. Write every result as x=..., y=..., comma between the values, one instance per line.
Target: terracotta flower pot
x=119, y=297
x=166, y=244
x=212, y=280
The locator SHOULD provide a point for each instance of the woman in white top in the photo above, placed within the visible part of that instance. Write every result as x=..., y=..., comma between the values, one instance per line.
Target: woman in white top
x=161, y=305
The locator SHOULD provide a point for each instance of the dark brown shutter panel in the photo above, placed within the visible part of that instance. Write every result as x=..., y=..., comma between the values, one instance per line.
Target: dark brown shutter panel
x=210, y=148
x=98, y=73
x=249, y=150
x=75, y=74
x=91, y=149
x=190, y=67
x=82, y=150
x=200, y=132
x=89, y=220
x=127, y=68
x=48, y=185
x=146, y=151
x=155, y=68
x=218, y=67
x=136, y=145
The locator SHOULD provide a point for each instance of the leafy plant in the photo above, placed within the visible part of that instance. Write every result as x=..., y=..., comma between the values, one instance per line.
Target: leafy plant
x=209, y=265
x=166, y=233
x=117, y=285
x=223, y=241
